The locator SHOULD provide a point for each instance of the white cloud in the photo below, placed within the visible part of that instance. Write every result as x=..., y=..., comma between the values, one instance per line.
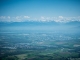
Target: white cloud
x=26, y=17
x=21, y=18
x=8, y=17
x=18, y=17
x=66, y=19
x=61, y=17
x=2, y=17
x=45, y=19
x=48, y=18
x=42, y=18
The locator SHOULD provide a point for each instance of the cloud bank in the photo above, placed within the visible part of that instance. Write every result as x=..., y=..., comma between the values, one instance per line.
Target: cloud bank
x=41, y=19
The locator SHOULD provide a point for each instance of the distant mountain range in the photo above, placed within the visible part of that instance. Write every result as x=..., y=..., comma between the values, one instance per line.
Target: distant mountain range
x=40, y=26
x=38, y=23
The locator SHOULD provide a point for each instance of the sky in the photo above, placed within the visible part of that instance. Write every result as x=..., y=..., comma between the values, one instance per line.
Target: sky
x=39, y=10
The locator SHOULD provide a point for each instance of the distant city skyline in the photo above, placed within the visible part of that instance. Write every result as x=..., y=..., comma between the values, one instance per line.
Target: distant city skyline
x=39, y=10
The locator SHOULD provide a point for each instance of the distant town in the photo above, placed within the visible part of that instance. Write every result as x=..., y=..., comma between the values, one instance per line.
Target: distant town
x=14, y=44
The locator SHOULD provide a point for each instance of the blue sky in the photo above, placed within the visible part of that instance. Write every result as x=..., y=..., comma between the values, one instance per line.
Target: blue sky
x=39, y=10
